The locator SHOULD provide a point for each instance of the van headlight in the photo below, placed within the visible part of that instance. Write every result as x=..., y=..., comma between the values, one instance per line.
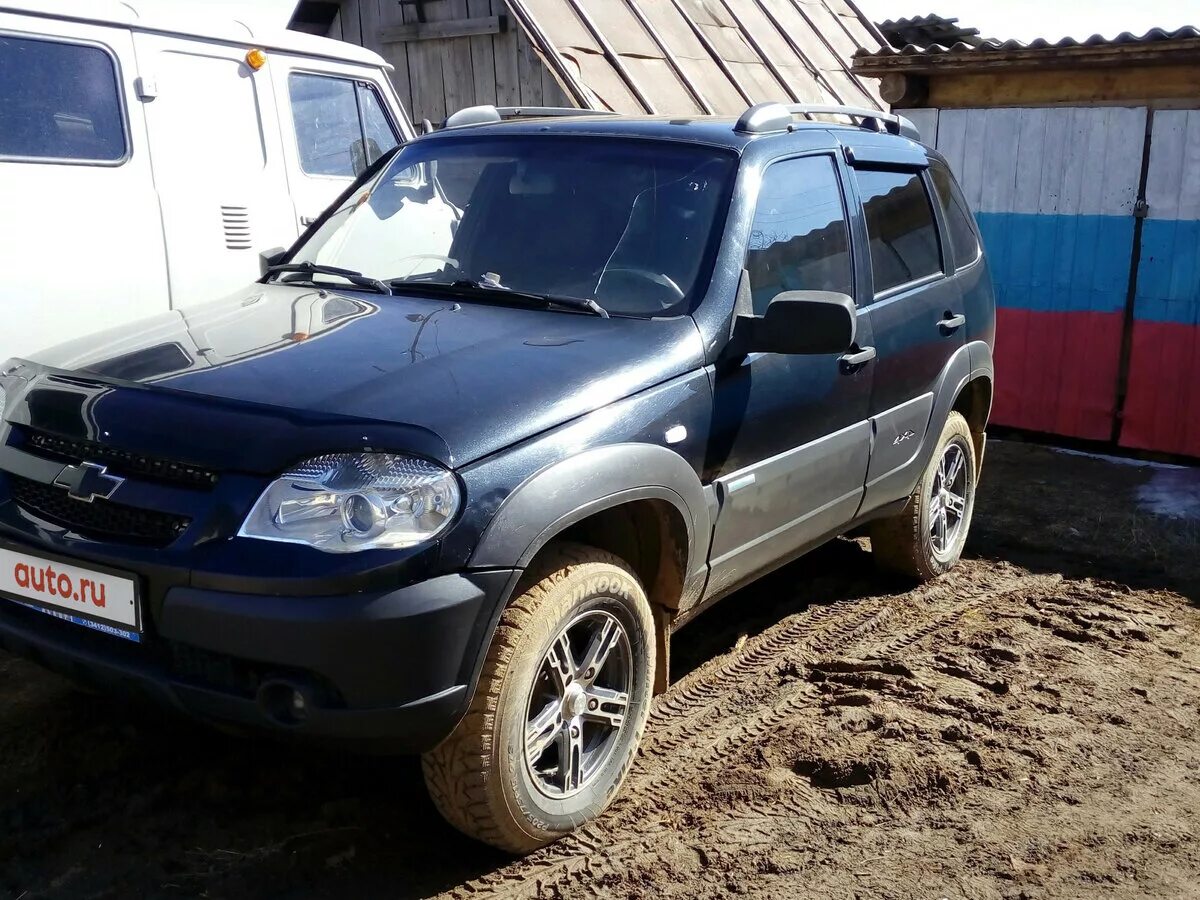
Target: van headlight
x=345, y=502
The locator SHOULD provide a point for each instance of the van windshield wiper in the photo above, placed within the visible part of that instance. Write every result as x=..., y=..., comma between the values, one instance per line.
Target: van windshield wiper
x=310, y=268
x=487, y=290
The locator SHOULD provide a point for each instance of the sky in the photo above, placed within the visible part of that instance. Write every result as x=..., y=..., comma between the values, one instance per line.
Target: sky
x=1052, y=19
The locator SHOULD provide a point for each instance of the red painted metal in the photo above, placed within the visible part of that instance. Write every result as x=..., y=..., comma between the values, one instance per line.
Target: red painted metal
x=1162, y=404
x=1056, y=372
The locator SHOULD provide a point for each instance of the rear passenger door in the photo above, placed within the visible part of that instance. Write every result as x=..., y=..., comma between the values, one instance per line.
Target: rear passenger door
x=77, y=202
x=916, y=315
x=790, y=438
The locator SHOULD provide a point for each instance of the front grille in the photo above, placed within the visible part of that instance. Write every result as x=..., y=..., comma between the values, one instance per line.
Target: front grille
x=100, y=519
x=120, y=462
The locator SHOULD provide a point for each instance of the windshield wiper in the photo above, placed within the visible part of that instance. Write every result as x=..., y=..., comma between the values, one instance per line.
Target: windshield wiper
x=310, y=268
x=487, y=290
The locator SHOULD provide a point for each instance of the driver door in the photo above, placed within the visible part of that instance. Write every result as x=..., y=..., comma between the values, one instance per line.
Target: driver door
x=791, y=436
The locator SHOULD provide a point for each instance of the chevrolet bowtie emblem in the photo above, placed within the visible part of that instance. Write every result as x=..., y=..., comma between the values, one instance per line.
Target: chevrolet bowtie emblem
x=87, y=481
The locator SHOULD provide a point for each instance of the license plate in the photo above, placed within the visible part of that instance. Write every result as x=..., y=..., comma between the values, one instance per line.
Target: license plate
x=97, y=600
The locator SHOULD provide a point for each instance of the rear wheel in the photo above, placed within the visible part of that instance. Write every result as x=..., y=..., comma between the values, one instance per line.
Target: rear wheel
x=560, y=707
x=926, y=538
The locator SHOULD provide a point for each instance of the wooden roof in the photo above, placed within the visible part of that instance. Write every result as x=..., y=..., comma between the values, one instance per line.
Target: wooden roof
x=683, y=57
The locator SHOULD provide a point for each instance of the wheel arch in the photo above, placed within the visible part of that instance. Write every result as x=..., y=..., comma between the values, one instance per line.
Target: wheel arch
x=642, y=502
x=610, y=495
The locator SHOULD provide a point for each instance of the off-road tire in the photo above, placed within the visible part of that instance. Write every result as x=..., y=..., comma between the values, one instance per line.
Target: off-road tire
x=477, y=777
x=902, y=543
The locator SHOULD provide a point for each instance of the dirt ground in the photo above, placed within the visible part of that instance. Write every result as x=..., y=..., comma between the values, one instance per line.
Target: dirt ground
x=1026, y=727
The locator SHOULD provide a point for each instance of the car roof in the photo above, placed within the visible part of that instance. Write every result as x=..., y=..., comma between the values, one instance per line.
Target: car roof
x=711, y=130
x=193, y=19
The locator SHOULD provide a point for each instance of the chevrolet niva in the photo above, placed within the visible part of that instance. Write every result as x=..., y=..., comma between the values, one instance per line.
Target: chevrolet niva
x=531, y=394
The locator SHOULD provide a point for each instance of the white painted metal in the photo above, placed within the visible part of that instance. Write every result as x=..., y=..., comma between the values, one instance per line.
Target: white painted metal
x=81, y=246
x=211, y=151
x=1173, y=180
x=1048, y=161
x=197, y=18
x=926, y=121
x=218, y=165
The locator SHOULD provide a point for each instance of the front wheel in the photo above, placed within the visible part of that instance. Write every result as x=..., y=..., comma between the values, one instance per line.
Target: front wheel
x=560, y=707
x=926, y=538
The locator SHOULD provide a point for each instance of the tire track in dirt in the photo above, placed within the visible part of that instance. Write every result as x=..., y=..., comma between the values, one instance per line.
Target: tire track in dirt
x=688, y=737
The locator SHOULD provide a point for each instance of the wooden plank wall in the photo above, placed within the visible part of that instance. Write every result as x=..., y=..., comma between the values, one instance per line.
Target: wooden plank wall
x=1162, y=404
x=1053, y=190
x=437, y=77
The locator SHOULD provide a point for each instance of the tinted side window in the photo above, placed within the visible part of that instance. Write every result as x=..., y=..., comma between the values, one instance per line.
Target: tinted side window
x=964, y=242
x=799, y=240
x=340, y=124
x=904, y=240
x=59, y=101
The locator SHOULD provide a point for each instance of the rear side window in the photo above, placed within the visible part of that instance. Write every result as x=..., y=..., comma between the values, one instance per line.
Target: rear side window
x=341, y=126
x=964, y=242
x=799, y=240
x=904, y=239
x=59, y=101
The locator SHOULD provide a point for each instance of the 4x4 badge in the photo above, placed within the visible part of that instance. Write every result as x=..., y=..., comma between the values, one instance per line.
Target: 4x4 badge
x=904, y=437
x=87, y=481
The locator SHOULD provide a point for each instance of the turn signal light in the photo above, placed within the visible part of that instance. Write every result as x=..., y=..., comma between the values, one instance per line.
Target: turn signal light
x=256, y=59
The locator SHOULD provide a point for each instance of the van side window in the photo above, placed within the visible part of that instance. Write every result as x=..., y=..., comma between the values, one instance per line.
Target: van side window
x=341, y=126
x=964, y=242
x=59, y=101
x=799, y=240
x=904, y=238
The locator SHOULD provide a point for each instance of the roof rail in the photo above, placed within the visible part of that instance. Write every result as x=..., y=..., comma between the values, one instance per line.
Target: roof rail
x=764, y=118
x=489, y=115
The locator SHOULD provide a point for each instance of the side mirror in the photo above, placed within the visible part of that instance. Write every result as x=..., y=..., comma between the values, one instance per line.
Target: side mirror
x=800, y=322
x=268, y=258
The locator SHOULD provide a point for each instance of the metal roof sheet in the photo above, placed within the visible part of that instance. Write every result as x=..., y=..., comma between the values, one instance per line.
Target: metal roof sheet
x=687, y=57
x=991, y=45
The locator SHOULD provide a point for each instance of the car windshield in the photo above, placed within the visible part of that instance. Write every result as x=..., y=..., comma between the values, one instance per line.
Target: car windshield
x=630, y=224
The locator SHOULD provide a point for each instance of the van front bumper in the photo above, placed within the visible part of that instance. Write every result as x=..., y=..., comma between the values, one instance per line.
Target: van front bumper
x=390, y=671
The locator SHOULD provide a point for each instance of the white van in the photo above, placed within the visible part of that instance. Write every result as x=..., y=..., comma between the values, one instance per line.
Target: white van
x=148, y=156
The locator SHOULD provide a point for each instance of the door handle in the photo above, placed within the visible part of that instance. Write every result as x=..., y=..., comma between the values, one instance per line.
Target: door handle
x=857, y=358
x=951, y=323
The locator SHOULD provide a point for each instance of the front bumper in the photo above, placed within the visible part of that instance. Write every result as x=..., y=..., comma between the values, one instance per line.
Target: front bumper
x=385, y=670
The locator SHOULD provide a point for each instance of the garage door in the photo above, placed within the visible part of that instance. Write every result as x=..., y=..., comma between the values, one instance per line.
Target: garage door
x=1162, y=406
x=1054, y=191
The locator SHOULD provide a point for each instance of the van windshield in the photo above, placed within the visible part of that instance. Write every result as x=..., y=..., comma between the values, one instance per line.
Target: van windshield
x=630, y=224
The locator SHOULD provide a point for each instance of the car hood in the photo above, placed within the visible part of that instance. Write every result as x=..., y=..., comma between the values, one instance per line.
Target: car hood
x=478, y=376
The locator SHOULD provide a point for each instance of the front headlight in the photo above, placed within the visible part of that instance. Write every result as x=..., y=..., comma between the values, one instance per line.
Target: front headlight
x=344, y=502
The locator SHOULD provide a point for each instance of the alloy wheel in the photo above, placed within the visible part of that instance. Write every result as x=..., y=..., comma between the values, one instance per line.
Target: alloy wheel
x=578, y=703
x=948, y=499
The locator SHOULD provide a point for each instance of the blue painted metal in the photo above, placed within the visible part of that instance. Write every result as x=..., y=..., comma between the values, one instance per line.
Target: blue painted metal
x=1169, y=277
x=1057, y=263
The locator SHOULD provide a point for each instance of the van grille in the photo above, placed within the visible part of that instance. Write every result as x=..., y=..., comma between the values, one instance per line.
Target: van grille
x=237, y=227
x=121, y=462
x=100, y=519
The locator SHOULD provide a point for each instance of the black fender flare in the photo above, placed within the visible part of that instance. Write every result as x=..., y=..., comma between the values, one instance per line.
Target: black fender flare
x=566, y=492
x=970, y=362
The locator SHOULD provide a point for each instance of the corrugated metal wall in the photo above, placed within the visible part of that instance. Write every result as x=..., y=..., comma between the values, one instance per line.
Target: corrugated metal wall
x=1162, y=407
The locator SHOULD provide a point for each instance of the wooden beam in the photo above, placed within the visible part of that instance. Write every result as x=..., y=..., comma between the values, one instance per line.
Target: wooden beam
x=433, y=31
x=1141, y=84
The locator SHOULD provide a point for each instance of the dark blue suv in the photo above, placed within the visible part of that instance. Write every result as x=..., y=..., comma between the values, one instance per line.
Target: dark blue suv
x=535, y=391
